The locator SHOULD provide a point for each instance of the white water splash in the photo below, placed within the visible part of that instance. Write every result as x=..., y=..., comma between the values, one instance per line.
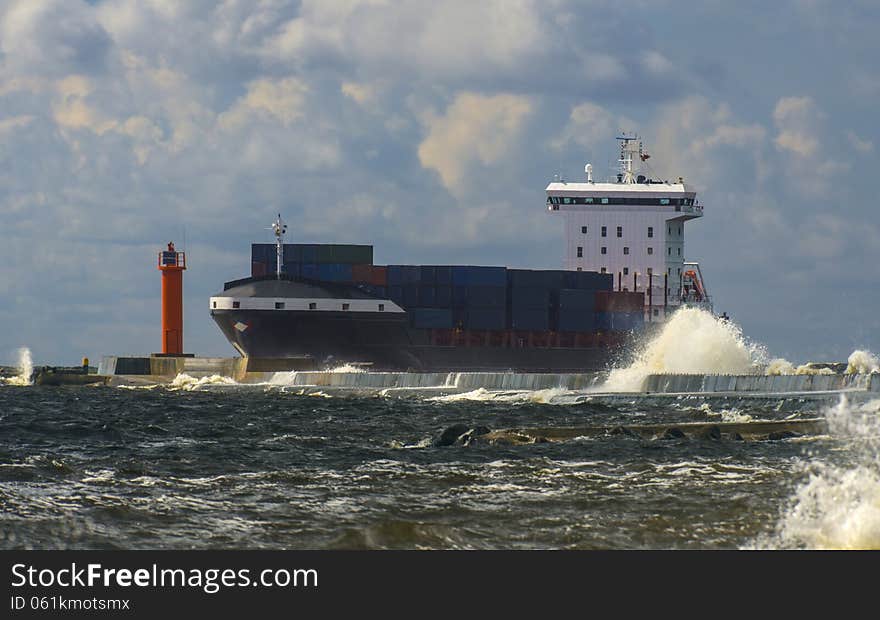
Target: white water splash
x=693, y=341
x=549, y=396
x=862, y=362
x=347, y=368
x=838, y=507
x=187, y=383
x=25, y=366
x=780, y=366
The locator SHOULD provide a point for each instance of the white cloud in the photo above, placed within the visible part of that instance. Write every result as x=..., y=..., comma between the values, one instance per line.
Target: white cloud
x=52, y=37
x=281, y=100
x=862, y=145
x=475, y=129
x=589, y=126
x=795, y=119
x=702, y=142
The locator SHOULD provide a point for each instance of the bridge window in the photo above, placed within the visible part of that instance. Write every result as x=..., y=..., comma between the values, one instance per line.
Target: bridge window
x=669, y=251
x=603, y=270
x=650, y=251
x=346, y=306
x=313, y=306
x=604, y=250
x=215, y=304
x=664, y=201
x=650, y=231
x=566, y=201
x=381, y=307
x=583, y=230
x=626, y=271
x=626, y=250
x=279, y=305
x=588, y=201
x=236, y=304
x=580, y=252
x=604, y=231
x=679, y=251
x=604, y=201
x=620, y=231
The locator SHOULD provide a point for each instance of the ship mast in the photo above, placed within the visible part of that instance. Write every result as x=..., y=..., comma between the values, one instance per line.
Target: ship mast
x=279, y=228
x=630, y=146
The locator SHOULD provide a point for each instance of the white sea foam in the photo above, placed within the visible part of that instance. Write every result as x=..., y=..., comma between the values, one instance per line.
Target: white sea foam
x=549, y=396
x=838, y=506
x=187, y=383
x=346, y=368
x=693, y=341
x=25, y=366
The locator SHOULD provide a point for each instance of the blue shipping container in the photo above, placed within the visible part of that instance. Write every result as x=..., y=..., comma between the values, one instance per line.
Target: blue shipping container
x=530, y=297
x=443, y=296
x=403, y=274
x=309, y=270
x=411, y=295
x=427, y=274
x=485, y=318
x=485, y=296
x=531, y=319
x=443, y=274
x=262, y=252
x=473, y=275
x=395, y=293
x=576, y=320
x=575, y=298
x=291, y=269
x=427, y=296
x=536, y=278
x=431, y=318
x=334, y=272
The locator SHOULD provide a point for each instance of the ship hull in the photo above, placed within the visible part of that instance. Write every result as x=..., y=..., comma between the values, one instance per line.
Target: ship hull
x=387, y=342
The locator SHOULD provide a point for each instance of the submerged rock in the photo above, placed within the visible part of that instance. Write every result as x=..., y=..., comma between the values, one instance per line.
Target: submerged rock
x=673, y=433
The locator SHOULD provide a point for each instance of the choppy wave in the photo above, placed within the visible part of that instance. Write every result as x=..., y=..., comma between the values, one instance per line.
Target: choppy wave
x=25, y=366
x=838, y=506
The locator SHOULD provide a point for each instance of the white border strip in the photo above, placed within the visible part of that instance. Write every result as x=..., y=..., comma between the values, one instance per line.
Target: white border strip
x=305, y=304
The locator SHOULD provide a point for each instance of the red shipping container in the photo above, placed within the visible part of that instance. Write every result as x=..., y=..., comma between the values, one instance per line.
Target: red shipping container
x=379, y=275
x=623, y=301
x=258, y=270
x=362, y=273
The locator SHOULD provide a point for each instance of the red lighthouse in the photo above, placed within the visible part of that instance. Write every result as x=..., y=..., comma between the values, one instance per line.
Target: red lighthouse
x=172, y=265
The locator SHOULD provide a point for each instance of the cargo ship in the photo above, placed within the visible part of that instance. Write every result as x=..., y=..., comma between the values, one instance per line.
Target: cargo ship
x=324, y=305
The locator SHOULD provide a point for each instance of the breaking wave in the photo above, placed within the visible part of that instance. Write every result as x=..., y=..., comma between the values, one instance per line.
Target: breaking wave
x=838, y=507
x=187, y=383
x=693, y=341
x=862, y=362
x=25, y=366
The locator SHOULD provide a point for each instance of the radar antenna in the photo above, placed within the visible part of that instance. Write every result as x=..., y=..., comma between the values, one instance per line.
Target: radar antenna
x=279, y=228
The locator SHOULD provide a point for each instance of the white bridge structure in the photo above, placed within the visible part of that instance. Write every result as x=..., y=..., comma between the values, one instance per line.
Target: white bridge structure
x=632, y=227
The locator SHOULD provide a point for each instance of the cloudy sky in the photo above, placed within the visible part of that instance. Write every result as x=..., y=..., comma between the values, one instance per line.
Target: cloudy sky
x=429, y=129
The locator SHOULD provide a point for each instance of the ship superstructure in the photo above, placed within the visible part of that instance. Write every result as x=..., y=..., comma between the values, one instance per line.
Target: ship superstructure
x=634, y=229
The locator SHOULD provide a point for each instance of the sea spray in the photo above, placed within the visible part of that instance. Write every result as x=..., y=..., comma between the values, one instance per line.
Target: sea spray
x=693, y=341
x=25, y=367
x=862, y=362
x=187, y=383
x=838, y=506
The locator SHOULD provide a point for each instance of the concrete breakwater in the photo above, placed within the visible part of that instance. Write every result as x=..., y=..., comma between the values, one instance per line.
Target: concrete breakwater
x=590, y=382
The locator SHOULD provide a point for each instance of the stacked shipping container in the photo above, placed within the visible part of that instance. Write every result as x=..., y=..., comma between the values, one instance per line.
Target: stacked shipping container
x=469, y=297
